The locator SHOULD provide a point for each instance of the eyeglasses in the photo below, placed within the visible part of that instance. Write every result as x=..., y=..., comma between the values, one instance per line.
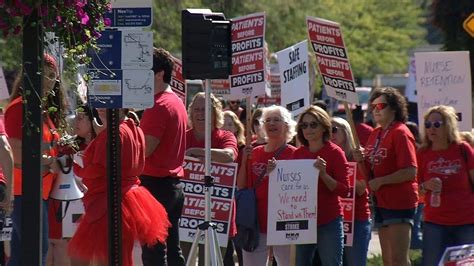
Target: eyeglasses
x=436, y=124
x=304, y=125
x=379, y=106
x=273, y=119
x=334, y=130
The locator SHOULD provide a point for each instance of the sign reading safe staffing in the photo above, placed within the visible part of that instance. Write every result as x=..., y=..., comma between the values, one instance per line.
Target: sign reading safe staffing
x=120, y=72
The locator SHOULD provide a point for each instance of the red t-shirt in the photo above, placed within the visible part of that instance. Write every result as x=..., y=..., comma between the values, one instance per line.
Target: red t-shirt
x=94, y=172
x=13, y=126
x=396, y=151
x=363, y=132
x=166, y=120
x=220, y=139
x=329, y=204
x=457, y=199
x=2, y=132
x=255, y=167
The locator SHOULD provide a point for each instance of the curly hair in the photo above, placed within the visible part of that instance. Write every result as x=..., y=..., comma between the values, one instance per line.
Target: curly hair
x=216, y=110
x=286, y=117
x=395, y=100
x=449, y=118
x=321, y=117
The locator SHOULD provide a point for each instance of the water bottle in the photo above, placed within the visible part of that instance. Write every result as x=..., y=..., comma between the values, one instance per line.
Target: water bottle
x=435, y=200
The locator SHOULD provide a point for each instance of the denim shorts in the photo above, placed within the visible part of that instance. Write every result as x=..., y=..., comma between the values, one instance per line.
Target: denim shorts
x=384, y=217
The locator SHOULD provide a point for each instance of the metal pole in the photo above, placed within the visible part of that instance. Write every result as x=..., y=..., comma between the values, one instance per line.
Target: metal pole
x=32, y=188
x=114, y=196
x=207, y=167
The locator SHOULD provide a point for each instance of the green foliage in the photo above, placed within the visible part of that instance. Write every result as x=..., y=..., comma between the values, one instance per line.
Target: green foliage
x=415, y=258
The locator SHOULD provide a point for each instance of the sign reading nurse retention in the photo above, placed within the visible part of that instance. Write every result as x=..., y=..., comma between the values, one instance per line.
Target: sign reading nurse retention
x=333, y=60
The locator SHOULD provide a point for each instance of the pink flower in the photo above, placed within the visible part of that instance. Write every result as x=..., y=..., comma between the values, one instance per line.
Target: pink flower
x=25, y=10
x=83, y=17
x=17, y=30
x=107, y=22
x=59, y=18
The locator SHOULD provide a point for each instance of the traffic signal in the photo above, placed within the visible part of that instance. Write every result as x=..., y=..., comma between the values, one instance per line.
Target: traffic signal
x=206, y=44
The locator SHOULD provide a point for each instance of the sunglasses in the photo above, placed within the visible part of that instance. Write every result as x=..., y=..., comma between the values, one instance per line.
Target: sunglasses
x=305, y=125
x=334, y=130
x=436, y=124
x=379, y=106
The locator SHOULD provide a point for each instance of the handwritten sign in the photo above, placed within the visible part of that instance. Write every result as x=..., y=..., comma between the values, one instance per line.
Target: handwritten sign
x=292, y=203
x=294, y=77
x=445, y=78
x=348, y=205
x=248, y=56
x=410, y=88
x=222, y=196
x=333, y=60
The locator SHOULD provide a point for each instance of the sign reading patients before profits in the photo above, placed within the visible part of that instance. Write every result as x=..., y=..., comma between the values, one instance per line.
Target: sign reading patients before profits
x=333, y=61
x=292, y=205
x=130, y=14
x=222, y=196
x=294, y=77
x=248, y=56
x=445, y=78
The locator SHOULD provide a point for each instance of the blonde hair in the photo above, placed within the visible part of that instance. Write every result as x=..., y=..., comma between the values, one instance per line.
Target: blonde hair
x=449, y=119
x=343, y=125
x=216, y=110
x=286, y=117
x=240, y=134
x=467, y=137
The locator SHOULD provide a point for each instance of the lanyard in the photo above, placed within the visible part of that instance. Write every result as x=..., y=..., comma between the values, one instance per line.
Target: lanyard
x=378, y=141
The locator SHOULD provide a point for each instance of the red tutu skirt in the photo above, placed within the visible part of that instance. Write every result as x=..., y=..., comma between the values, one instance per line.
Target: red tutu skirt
x=143, y=219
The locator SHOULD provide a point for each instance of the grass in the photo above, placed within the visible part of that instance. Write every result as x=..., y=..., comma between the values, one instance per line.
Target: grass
x=415, y=258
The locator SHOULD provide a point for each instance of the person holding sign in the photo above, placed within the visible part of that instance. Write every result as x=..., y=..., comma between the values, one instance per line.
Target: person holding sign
x=143, y=217
x=357, y=254
x=314, y=132
x=256, y=165
x=390, y=164
x=446, y=176
x=223, y=146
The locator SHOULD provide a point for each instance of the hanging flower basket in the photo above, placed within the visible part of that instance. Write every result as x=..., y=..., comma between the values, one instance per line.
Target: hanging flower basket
x=76, y=23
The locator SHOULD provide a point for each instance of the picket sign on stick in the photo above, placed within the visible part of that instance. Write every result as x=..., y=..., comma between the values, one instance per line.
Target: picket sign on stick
x=292, y=255
x=355, y=137
x=248, y=119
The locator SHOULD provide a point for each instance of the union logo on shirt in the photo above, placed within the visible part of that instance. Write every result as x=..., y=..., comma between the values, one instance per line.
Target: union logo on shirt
x=376, y=157
x=258, y=168
x=444, y=167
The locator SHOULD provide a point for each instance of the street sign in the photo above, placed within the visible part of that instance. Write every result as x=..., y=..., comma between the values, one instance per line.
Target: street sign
x=469, y=25
x=123, y=50
x=121, y=88
x=130, y=14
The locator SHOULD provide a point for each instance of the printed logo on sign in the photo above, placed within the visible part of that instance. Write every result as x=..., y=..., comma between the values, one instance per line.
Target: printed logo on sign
x=247, y=91
x=341, y=94
x=292, y=236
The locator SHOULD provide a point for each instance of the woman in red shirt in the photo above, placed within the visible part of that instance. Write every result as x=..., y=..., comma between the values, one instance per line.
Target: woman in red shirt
x=143, y=218
x=279, y=129
x=53, y=118
x=314, y=132
x=223, y=147
x=446, y=175
x=390, y=164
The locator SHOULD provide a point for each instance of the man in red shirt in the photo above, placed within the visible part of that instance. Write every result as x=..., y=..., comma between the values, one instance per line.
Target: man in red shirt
x=164, y=126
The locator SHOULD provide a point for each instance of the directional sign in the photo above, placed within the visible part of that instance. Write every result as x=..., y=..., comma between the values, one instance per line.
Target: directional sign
x=469, y=25
x=121, y=88
x=130, y=14
x=123, y=50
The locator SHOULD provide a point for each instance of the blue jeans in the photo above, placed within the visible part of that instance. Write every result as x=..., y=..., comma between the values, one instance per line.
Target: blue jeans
x=436, y=238
x=15, y=257
x=357, y=254
x=330, y=245
x=416, y=234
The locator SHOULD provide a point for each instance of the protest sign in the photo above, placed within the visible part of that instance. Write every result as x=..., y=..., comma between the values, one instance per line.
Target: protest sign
x=333, y=61
x=292, y=203
x=410, y=88
x=178, y=83
x=445, y=78
x=275, y=88
x=458, y=256
x=248, y=56
x=194, y=199
x=294, y=77
x=6, y=232
x=220, y=88
x=348, y=205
